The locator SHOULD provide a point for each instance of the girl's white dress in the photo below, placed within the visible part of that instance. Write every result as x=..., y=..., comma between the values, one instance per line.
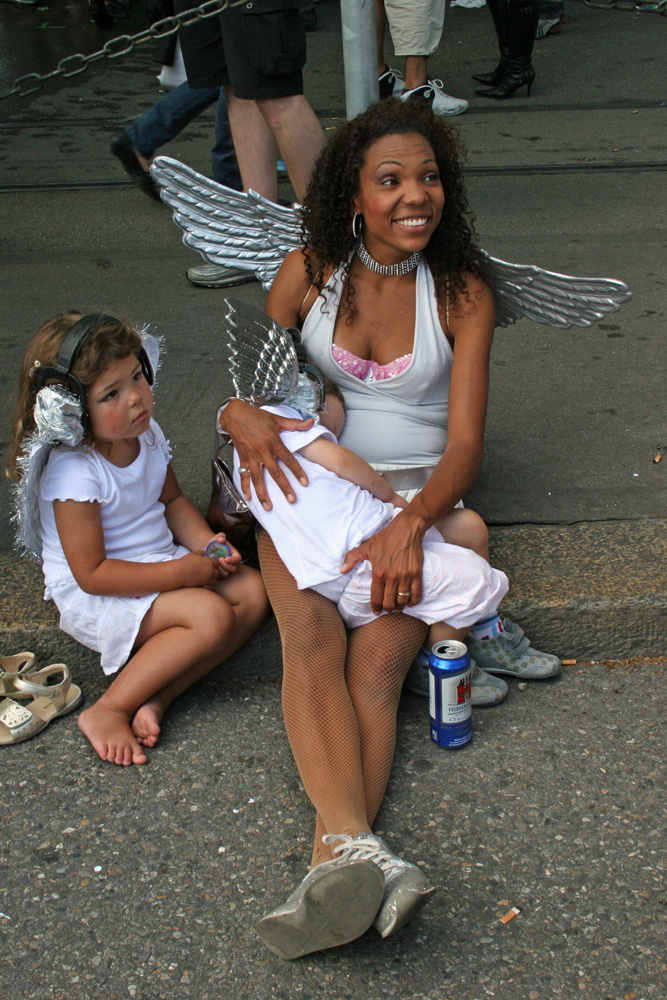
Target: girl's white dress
x=135, y=529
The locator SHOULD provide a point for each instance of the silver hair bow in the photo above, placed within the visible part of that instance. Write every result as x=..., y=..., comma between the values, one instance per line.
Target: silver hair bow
x=57, y=413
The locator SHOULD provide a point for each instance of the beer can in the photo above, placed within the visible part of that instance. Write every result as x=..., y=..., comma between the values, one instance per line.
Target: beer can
x=450, y=677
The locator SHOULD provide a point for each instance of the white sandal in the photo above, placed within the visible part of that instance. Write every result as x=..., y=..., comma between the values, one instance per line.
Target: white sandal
x=21, y=720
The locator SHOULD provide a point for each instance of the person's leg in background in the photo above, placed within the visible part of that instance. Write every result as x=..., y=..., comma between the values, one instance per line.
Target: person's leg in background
x=416, y=29
x=522, y=20
x=552, y=16
x=223, y=156
x=268, y=112
x=136, y=145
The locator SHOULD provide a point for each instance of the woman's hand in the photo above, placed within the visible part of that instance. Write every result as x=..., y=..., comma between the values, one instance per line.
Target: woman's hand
x=255, y=435
x=397, y=557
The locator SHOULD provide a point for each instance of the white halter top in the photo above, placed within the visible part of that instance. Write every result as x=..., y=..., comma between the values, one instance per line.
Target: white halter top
x=401, y=420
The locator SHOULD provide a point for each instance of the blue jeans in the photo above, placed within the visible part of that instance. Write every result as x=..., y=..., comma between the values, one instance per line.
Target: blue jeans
x=169, y=116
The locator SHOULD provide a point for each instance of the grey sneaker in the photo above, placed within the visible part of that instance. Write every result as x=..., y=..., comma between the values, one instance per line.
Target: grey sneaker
x=336, y=903
x=486, y=691
x=510, y=652
x=217, y=276
x=406, y=888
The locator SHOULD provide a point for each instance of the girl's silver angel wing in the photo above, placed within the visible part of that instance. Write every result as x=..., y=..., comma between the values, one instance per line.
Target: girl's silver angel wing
x=561, y=300
x=227, y=227
x=263, y=361
x=249, y=232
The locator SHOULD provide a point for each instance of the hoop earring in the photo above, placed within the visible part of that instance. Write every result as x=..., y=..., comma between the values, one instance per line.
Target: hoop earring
x=356, y=217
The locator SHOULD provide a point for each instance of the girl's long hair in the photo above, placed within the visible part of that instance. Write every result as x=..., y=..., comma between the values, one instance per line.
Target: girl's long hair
x=329, y=203
x=109, y=341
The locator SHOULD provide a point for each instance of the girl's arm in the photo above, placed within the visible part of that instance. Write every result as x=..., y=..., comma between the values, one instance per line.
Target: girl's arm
x=188, y=525
x=79, y=527
x=255, y=433
x=396, y=552
x=348, y=465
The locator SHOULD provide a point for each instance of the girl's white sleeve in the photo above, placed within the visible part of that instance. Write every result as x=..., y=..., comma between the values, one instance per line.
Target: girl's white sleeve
x=71, y=474
x=160, y=440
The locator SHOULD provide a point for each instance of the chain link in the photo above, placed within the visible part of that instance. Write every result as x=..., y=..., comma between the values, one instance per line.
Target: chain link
x=119, y=46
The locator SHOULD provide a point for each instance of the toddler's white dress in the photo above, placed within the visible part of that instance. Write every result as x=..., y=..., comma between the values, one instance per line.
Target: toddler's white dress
x=135, y=528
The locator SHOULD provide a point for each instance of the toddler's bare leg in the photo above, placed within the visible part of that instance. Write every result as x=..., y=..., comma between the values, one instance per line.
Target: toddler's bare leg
x=464, y=527
x=184, y=629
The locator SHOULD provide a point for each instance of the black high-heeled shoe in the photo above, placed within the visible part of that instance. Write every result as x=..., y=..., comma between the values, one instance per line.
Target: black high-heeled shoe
x=494, y=78
x=100, y=15
x=510, y=83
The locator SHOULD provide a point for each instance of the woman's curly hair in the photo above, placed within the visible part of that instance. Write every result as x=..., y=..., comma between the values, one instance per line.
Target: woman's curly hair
x=329, y=203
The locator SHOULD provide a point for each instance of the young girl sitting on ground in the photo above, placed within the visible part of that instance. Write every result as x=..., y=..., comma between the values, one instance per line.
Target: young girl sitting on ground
x=122, y=549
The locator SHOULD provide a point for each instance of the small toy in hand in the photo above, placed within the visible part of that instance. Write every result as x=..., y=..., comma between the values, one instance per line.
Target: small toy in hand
x=218, y=550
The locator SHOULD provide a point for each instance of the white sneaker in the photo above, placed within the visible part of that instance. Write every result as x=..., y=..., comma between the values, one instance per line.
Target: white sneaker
x=443, y=104
x=432, y=93
x=391, y=83
x=406, y=888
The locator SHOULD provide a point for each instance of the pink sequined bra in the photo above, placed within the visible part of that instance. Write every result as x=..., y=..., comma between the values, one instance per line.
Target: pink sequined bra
x=368, y=371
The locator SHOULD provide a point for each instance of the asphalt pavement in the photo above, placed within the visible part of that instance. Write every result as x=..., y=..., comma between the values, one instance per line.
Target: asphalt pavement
x=147, y=882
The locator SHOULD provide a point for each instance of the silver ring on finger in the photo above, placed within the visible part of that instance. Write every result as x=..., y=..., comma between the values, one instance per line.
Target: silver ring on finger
x=243, y=468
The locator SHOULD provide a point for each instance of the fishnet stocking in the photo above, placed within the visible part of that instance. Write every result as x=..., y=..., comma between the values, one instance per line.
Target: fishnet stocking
x=340, y=697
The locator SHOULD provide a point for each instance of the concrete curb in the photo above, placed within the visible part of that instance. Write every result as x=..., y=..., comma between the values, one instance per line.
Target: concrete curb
x=584, y=591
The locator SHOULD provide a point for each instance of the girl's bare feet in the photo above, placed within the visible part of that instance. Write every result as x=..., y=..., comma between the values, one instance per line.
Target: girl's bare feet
x=109, y=733
x=146, y=722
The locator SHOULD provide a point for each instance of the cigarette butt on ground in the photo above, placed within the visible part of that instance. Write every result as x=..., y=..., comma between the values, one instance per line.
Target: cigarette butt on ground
x=510, y=915
x=569, y=663
x=658, y=458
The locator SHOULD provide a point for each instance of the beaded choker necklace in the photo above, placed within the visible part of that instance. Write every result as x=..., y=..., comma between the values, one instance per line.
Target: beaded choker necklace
x=389, y=270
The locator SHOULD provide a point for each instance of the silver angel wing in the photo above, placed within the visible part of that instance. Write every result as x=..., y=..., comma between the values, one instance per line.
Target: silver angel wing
x=561, y=300
x=266, y=365
x=228, y=227
x=249, y=232
x=262, y=357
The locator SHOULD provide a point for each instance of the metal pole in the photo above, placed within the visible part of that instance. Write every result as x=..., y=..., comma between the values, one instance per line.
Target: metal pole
x=359, y=55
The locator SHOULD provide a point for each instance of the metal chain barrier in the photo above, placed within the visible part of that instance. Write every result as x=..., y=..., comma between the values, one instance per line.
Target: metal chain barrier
x=119, y=46
x=122, y=45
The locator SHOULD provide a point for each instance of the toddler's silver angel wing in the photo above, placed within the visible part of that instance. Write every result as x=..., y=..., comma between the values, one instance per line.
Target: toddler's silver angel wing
x=249, y=232
x=262, y=357
x=561, y=300
x=227, y=227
